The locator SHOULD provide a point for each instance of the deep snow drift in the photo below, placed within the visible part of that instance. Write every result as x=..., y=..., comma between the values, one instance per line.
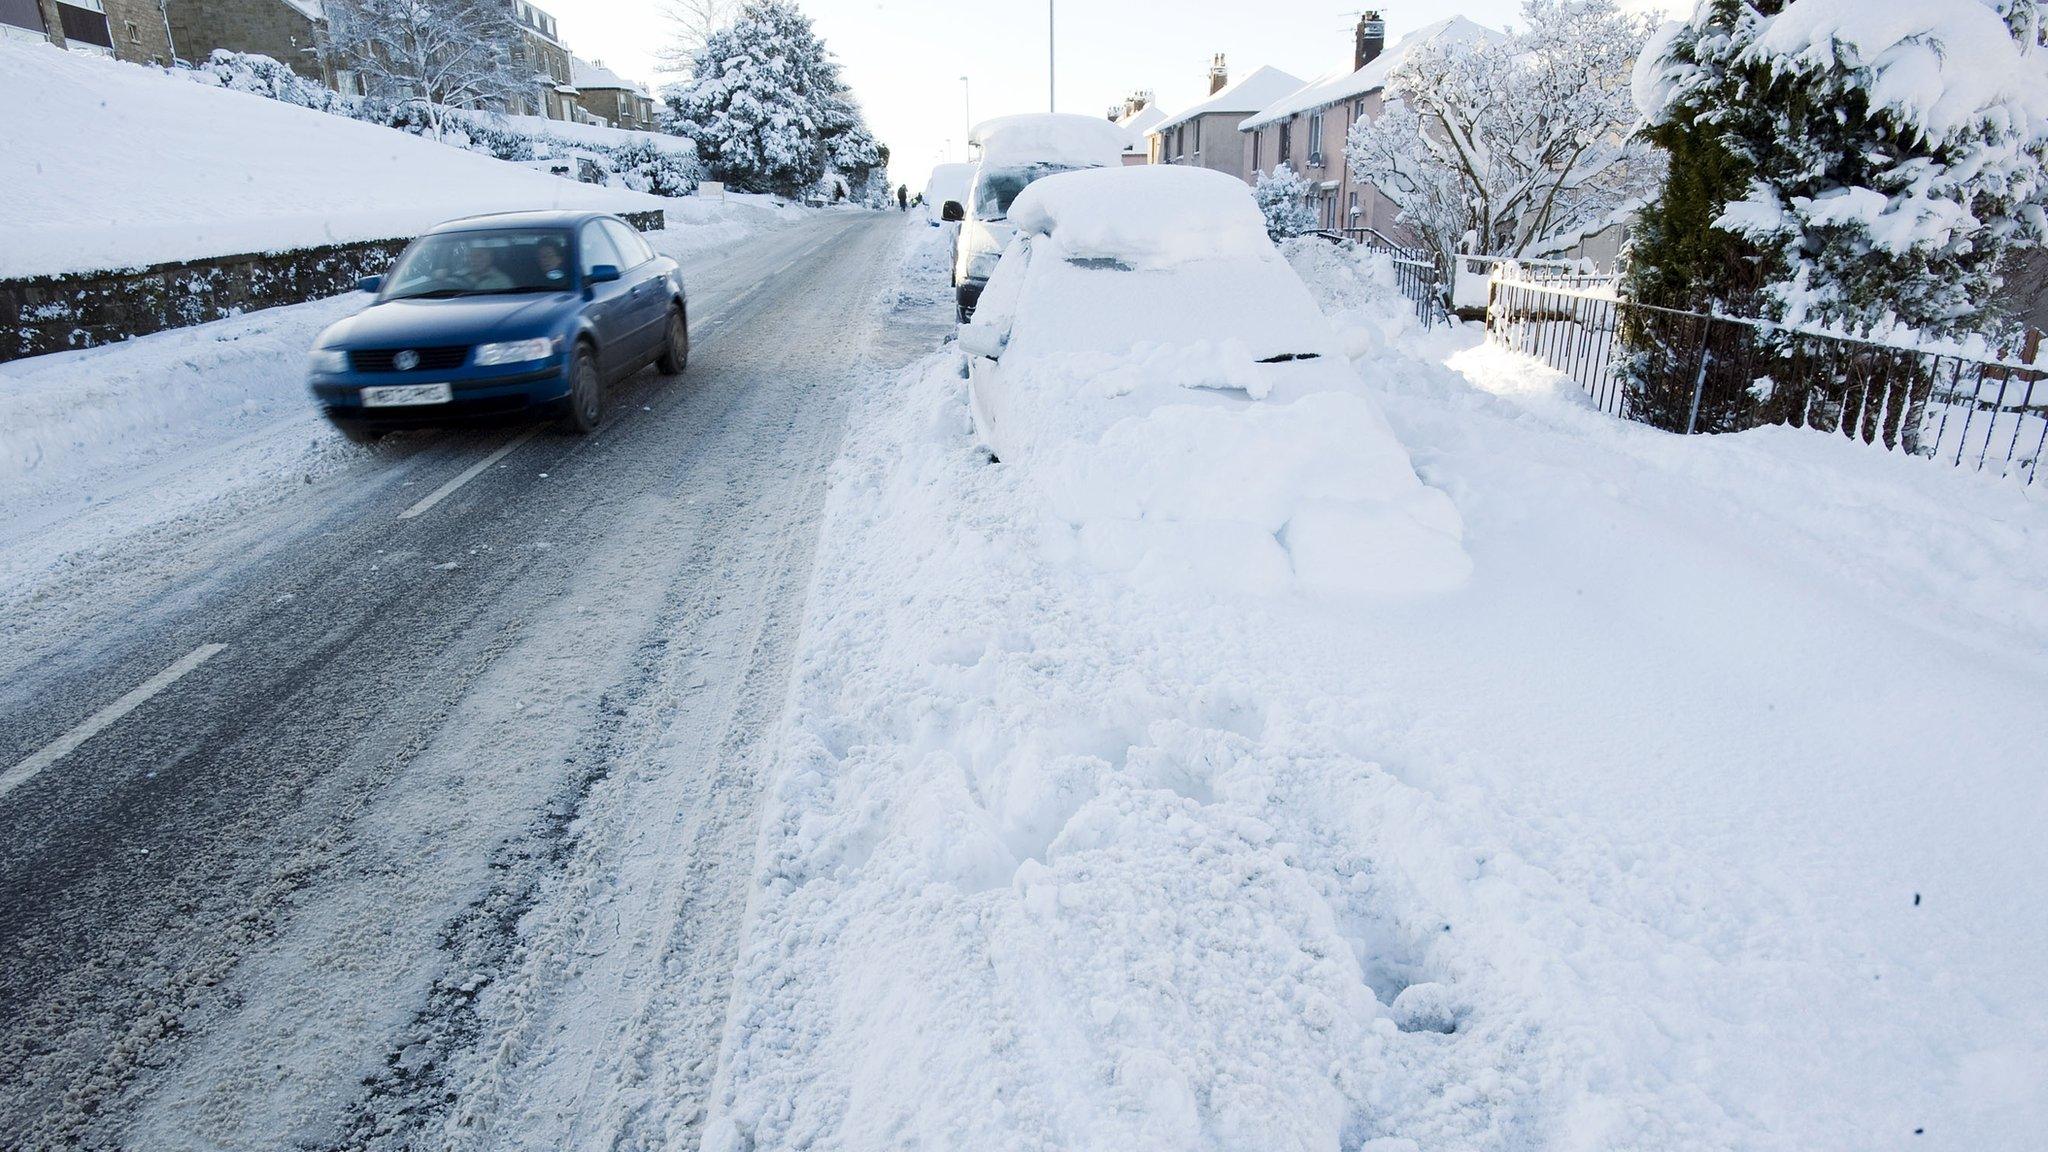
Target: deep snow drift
x=122, y=166
x=1705, y=816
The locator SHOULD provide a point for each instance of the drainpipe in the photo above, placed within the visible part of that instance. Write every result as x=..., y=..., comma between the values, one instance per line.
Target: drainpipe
x=163, y=7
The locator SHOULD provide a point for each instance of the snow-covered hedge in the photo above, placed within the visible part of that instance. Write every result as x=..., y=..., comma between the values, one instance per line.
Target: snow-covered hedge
x=640, y=161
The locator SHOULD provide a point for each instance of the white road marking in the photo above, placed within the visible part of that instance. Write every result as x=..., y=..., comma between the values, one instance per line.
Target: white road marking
x=62, y=746
x=466, y=475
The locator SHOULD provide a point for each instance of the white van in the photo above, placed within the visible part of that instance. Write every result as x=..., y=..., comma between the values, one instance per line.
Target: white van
x=1016, y=150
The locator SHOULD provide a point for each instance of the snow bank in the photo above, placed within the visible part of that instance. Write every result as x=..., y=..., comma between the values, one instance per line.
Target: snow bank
x=177, y=171
x=598, y=135
x=1150, y=216
x=1698, y=820
x=1049, y=138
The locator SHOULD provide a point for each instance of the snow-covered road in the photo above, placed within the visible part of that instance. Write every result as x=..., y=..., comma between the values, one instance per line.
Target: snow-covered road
x=406, y=852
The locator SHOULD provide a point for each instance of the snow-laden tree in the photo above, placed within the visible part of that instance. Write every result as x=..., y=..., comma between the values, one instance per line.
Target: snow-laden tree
x=766, y=105
x=1518, y=144
x=1283, y=196
x=1880, y=157
x=429, y=55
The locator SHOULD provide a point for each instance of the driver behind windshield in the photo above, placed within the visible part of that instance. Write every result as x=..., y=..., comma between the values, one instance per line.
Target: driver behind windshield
x=481, y=272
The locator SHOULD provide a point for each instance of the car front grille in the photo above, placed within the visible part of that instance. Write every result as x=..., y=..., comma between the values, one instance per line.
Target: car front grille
x=384, y=359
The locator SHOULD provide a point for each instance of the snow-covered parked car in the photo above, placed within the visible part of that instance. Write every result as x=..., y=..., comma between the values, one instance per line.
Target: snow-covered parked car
x=947, y=184
x=575, y=164
x=1146, y=355
x=1016, y=150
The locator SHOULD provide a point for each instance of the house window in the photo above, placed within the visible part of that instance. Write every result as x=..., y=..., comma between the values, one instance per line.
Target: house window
x=1198, y=137
x=1358, y=109
x=25, y=14
x=1258, y=139
x=134, y=33
x=1315, y=136
x=85, y=24
x=1286, y=141
x=1354, y=203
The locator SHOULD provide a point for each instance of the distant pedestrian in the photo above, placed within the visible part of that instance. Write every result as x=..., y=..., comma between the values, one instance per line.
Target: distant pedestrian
x=903, y=197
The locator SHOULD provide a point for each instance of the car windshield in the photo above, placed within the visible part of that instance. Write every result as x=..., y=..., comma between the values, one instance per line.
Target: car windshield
x=998, y=188
x=483, y=264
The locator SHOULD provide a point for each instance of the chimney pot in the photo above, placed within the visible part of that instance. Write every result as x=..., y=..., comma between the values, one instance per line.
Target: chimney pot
x=1371, y=39
x=1219, y=75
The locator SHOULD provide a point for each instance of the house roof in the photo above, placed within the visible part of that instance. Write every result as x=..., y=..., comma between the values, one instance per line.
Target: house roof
x=586, y=74
x=1139, y=123
x=310, y=9
x=1247, y=95
x=1337, y=87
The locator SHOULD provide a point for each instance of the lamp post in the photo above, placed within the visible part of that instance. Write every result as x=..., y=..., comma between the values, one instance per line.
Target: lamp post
x=967, y=110
x=1052, y=103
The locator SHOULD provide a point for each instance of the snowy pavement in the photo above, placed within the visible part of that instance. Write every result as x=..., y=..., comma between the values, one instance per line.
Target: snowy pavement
x=445, y=845
x=1706, y=815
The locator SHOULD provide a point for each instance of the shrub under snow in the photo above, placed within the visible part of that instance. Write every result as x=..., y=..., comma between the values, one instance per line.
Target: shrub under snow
x=1283, y=198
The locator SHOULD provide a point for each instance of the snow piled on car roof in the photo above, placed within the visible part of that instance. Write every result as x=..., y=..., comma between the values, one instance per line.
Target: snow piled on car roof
x=1149, y=216
x=1049, y=138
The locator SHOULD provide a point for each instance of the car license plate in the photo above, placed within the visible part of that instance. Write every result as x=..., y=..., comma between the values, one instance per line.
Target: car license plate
x=398, y=395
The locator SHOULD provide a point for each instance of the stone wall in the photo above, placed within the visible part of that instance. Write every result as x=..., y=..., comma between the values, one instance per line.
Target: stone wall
x=271, y=28
x=40, y=314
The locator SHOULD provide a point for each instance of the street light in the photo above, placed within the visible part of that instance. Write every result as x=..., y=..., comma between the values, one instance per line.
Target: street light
x=967, y=110
x=1051, y=98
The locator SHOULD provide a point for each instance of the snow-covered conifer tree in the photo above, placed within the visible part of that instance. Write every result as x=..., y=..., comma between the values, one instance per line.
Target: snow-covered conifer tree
x=1882, y=157
x=1283, y=196
x=766, y=105
x=1511, y=145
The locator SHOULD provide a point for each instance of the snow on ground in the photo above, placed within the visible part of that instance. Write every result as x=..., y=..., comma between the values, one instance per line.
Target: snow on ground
x=178, y=171
x=1705, y=815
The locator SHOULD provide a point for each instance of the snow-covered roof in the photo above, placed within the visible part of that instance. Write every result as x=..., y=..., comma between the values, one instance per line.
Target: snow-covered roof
x=591, y=75
x=1153, y=215
x=310, y=9
x=1139, y=123
x=1049, y=138
x=1337, y=87
x=1247, y=95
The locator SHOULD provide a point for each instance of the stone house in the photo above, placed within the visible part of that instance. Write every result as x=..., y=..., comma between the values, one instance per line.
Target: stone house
x=133, y=30
x=1206, y=135
x=1307, y=127
x=292, y=32
x=605, y=96
x=539, y=48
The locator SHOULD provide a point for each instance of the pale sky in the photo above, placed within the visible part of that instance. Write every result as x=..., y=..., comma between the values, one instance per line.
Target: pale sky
x=904, y=58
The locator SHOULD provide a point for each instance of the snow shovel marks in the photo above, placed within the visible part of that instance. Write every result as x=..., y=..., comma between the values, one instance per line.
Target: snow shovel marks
x=1066, y=850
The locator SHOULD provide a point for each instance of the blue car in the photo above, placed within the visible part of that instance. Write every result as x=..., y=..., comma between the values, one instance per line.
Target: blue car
x=514, y=315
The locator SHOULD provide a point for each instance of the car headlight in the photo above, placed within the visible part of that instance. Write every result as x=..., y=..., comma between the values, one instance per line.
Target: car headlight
x=982, y=265
x=327, y=360
x=515, y=351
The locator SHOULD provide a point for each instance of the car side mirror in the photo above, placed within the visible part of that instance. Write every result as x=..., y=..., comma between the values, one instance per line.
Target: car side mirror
x=982, y=340
x=601, y=274
x=369, y=283
x=951, y=211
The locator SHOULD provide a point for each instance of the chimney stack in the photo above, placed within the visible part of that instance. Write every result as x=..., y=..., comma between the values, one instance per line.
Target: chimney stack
x=1219, y=76
x=1371, y=39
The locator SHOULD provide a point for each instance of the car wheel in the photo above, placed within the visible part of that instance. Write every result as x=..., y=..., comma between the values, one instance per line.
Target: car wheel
x=586, y=393
x=356, y=433
x=675, y=352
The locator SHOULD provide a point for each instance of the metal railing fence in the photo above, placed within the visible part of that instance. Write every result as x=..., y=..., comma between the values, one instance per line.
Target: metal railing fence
x=1692, y=372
